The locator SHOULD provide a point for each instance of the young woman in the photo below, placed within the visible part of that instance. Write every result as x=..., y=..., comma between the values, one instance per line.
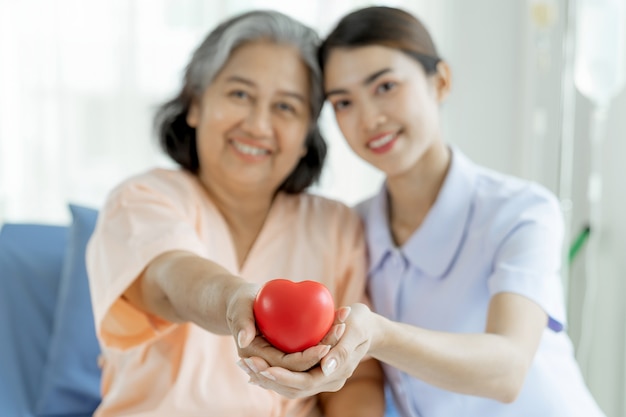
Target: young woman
x=464, y=261
x=178, y=255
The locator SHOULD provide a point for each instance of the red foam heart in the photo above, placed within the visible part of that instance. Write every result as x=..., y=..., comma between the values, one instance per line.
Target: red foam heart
x=294, y=316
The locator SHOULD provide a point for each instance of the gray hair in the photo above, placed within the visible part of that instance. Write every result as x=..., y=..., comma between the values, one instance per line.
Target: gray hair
x=213, y=53
x=178, y=139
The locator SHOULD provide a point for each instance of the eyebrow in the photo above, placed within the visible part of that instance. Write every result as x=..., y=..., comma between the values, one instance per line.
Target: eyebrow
x=250, y=83
x=367, y=81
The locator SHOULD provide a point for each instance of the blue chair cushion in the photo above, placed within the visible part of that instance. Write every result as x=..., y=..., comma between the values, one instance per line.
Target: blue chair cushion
x=71, y=379
x=31, y=259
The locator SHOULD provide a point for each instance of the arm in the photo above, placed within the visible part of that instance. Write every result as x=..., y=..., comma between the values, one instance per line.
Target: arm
x=491, y=364
x=361, y=396
x=180, y=286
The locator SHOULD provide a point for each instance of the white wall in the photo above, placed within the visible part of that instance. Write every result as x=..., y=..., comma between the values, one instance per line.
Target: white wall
x=505, y=111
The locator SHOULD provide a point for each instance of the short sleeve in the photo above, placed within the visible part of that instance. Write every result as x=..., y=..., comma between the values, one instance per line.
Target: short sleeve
x=528, y=259
x=143, y=218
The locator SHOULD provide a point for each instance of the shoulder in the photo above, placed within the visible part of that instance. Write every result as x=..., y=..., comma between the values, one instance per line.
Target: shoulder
x=323, y=218
x=501, y=191
x=505, y=202
x=170, y=184
x=322, y=208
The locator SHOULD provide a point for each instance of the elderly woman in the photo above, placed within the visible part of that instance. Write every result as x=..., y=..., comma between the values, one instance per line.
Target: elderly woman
x=178, y=255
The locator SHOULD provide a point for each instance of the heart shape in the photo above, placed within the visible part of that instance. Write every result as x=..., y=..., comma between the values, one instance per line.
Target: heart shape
x=294, y=316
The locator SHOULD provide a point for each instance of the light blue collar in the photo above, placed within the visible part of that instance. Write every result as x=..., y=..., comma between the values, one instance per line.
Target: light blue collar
x=433, y=247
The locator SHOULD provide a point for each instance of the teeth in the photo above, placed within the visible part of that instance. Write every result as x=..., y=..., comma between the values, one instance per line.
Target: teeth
x=249, y=150
x=381, y=141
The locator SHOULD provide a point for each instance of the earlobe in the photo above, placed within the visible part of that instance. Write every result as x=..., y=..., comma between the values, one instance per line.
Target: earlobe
x=192, y=114
x=444, y=80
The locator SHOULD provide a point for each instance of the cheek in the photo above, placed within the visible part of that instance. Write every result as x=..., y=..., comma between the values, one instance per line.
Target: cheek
x=294, y=135
x=347, y=123
x=218, y=115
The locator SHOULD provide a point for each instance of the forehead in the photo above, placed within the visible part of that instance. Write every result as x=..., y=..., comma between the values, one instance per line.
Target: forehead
x=348, y=66
x=264, y=61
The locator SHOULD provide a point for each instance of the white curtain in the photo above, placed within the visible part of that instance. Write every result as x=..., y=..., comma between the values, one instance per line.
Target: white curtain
x=79, y=82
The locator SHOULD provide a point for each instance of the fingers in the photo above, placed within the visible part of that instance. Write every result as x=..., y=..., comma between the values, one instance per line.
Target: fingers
x=338, y=355
x=298, y=361
x=337, y=330
x=259, y=346
x=275, y=371
x=253, y=365
x=334, y=334
x=302, y=361
x=351, y=346
x=342, y=314
x=240, y=317
x=294, y=384
x=245, y=330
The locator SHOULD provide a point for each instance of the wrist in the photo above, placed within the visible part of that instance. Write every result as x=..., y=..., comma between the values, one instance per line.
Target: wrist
x=379, y=327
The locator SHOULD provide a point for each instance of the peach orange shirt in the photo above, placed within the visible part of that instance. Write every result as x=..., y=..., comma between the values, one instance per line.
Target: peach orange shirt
x=155, y=368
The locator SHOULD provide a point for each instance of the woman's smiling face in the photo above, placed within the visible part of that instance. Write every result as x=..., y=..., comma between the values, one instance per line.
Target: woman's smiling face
x=252, y=120
x=386, y=106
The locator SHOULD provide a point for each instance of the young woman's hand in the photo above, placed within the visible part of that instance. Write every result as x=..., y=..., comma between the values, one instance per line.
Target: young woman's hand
x=298, y=361
x=350, y=338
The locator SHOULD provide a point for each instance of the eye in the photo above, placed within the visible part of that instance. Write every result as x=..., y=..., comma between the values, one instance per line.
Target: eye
x=385, y=87
x=285, y=107
x=341, y=104
x=239, y=94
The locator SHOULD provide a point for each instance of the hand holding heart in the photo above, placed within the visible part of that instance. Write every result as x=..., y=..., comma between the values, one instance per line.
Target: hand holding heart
x=294, y=316
x=336, y=366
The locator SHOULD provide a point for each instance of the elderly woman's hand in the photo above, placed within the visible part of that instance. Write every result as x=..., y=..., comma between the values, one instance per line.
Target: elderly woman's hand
x=298, y=361
x=350, y=338
x=239, y=315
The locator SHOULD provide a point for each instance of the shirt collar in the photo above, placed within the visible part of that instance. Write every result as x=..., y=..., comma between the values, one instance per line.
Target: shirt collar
x=433, y=247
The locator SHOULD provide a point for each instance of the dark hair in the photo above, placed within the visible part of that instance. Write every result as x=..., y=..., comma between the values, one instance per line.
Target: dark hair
x=178, y=139
x=384, y=26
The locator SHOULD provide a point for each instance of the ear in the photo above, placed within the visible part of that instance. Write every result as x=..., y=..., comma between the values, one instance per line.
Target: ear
x=193, y=114
x=443, y=80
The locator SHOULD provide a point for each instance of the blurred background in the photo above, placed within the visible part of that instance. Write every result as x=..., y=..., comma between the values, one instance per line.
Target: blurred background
x=537, y=92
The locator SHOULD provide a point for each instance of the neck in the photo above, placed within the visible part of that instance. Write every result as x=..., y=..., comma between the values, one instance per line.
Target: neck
x=244, y=211
x=412, y=193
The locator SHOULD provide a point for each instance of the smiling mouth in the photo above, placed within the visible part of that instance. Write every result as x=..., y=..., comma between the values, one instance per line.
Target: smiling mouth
x=248, y=149
x=380, y=142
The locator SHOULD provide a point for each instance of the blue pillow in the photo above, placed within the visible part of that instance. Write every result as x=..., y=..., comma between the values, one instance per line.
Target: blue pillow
x=31, y=258
x=71, y=379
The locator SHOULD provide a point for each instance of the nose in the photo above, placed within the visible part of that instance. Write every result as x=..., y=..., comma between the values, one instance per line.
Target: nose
x=258, y=122
x=371, y=115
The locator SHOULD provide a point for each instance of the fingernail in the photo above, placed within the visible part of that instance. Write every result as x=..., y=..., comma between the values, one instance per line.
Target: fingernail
x=268, y=375
x=244, y=367
x=253, y=382
x=325, y=351
x=329, y=367
x=339, y=330
x=240, y=338
x=344, y=314
x=251, y=365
